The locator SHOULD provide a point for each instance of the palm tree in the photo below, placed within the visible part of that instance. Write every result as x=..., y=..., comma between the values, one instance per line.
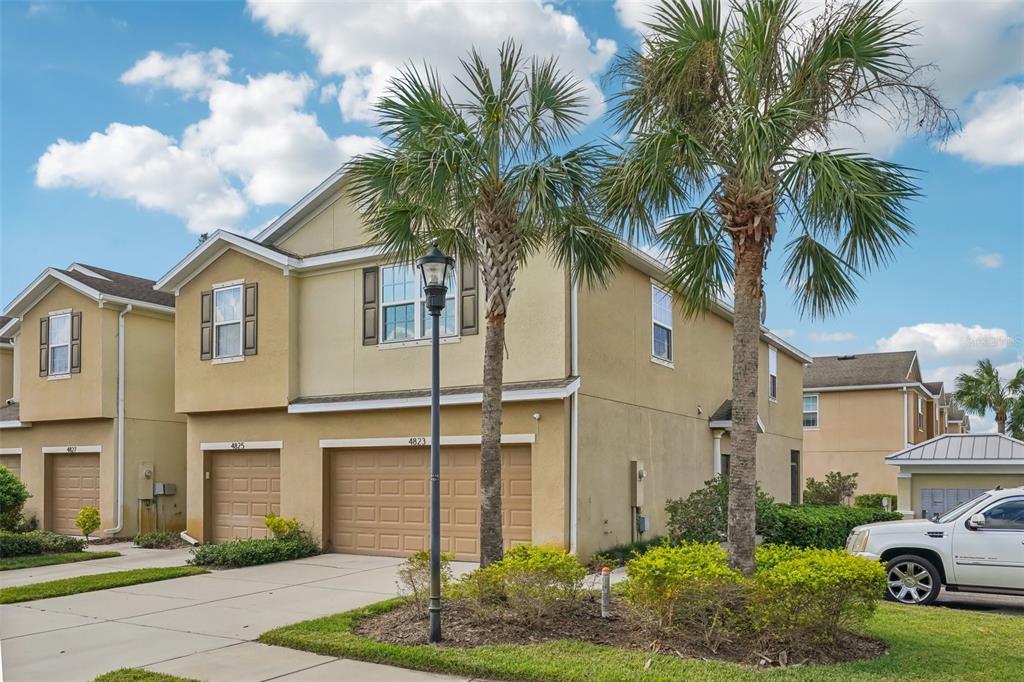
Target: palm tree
x=726, y=119
x=983, y=390
x=485, y=176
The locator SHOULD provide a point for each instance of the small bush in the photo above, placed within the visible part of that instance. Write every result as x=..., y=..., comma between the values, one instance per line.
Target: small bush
x=837, y=488
x=703, y=516
x=13, y=495
x=819, y=526
x=874, y=501
x=88, y=520
x=282, y=528
x=252, y=552
x=620, y=554
x=414, y=575
x=160, y=539
x=37, y=542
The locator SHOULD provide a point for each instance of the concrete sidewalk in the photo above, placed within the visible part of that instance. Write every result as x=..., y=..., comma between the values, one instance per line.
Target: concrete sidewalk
x=132, y=557
x=201, y=626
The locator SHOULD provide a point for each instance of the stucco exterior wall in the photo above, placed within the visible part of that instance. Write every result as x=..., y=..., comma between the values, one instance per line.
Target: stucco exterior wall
x=336, y=226
x=6, y=374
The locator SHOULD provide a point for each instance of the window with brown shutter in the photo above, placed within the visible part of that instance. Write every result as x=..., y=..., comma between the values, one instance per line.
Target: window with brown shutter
x=370, y=330
x=76, y=343
x=206, y=325
x=468, y=298
x=44, y=346
x=251, y=301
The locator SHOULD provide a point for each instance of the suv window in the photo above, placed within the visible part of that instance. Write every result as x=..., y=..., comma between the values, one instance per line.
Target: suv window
x=953, y=513
x=1006, y=516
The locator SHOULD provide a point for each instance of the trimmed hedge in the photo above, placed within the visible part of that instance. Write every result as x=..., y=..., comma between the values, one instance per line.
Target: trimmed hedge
x=823, y=527
x=161, y=539
x=37, y=542
x=874, y=501
x=237, y=553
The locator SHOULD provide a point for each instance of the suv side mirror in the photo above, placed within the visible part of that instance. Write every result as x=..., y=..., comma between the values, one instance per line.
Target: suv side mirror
x=976, y=521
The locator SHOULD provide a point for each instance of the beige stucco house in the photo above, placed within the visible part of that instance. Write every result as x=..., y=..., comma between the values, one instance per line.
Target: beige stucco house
x=90, y=417
x=859, y=409
x=302, y=364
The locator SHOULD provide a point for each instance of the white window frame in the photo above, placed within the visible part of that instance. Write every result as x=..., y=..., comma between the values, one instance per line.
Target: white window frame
x=50, y=346
x=655, y=358
x=240, y=321
x=816, y=412
x=773, y=373
x=418, y=302
x=920, y=413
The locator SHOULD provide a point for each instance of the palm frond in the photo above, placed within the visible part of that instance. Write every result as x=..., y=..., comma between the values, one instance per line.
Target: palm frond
x=822, y=281
x=556, y=105
x=701, y=267
x=584, y=247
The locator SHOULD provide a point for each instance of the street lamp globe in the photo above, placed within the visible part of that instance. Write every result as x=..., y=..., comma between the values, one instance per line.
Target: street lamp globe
x=434, y=267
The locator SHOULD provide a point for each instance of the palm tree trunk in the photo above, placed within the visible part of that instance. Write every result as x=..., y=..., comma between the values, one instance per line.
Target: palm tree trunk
x=491, y=540
x=1001, y=421
x=746, y=337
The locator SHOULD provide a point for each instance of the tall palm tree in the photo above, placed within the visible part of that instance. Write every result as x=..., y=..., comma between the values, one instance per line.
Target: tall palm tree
x=726, y=118
x=983, y=390
x=487, y=175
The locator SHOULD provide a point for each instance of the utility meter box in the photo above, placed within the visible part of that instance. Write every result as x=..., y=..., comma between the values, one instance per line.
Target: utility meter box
x=637, y=475
x=160, y=488
x=145, y=481
x=643, y=523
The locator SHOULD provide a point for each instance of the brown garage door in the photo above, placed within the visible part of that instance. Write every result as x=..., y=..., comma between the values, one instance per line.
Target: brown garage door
x=245, y=487
x=12, y=462
x=380, y=500
x=75, y=483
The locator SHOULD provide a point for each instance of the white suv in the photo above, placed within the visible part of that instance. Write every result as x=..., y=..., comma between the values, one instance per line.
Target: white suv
x=976, y=547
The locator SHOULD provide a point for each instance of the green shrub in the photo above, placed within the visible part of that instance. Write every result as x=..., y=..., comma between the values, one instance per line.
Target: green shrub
x=237, y=553
x=282, y=528
x=809, y=600
x=819, y=526
x=703, y=515
x=414, y=575
x=13, y=494
x=37, y=542
x=769, y=556
x=620, y=554
x=837, y=488
x=874, y=501
x=160, y=539
x=88, y=520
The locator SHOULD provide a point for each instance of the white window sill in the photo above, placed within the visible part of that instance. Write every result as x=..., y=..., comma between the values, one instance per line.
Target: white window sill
x=661, y=361
x=228, y=360
x=390, y=345
x=773, y=400
x=58, y=377
x=812, y=428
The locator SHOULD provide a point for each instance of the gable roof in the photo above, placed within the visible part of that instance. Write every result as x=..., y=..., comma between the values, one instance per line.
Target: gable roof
x=963, y=448
x=4, y=321
x=97, y=283
x=722, y=418
x=934, y=387
x=866, y=369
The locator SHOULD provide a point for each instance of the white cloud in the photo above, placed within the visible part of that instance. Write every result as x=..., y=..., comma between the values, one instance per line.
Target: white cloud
x=990, y=261
x=949, y=342
x=139, y=163
x=193, y=73
x=832, y=337
x=994, y=133
x=328, y=92
x=367, y=43
x=788, y=334
x=634, y=14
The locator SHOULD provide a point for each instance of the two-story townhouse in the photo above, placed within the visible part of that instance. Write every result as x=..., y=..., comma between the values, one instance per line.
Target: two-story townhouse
x=858, y=409
x=90, y=420
x=303, y=367
x=956, y=420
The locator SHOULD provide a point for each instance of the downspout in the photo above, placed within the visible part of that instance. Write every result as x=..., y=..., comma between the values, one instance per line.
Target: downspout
x=120, y=422
x=906, y=419
x=574, y=416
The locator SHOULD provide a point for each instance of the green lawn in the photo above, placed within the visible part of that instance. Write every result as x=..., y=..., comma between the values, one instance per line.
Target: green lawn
x=139, y=675
x=926, y=644
x=34, y=560
x=89, y=583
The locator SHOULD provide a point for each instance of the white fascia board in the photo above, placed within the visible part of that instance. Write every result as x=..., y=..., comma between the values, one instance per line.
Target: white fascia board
x=299, y=206
x=243, y=445
x=195, y=260
x=47, y=279
x=74, y=449
x=424, y=401
x=727, y=424
x=120, y=300
x=11, y=327
x=961, y=468
x=78, y=267
x=868, y=387
x=421, y=441
x=341, y=257
x=14, y=424
x=8, y=345
x=10, y=451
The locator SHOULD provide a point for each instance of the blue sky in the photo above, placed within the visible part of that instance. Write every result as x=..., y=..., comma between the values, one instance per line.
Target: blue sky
x=177, y=117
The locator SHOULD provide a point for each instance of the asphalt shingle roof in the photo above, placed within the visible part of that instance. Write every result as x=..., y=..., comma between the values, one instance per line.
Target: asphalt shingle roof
x=865, y=369
x=934, y=387
x=981, y=448
x=120, y=284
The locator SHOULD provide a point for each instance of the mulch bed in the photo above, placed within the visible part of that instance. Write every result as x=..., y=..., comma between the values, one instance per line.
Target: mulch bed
x=464, y=627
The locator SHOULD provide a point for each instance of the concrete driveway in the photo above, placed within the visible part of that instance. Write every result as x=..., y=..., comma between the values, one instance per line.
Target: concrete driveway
x=131, y=557
x=201, y=626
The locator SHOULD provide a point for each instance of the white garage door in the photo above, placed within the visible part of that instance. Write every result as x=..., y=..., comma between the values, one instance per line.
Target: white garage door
x=941, y=500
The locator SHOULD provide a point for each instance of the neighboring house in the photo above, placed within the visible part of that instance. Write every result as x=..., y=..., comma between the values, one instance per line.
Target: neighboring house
x=858, y=409
x=91, y=419
x=956, y=420
x=303, y=367
x=6, y=363
x=944, y=472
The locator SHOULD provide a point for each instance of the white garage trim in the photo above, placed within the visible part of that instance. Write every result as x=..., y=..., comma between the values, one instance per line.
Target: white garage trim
x=243, y=445
x=72, y=449
x=420, y=441
x=14, y=424
x=10, y=451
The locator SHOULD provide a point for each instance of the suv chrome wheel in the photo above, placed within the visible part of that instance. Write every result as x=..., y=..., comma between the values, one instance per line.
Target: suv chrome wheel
x=912, y=580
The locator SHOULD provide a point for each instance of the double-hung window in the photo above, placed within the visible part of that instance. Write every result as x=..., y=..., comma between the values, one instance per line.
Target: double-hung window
x=404, y=308
x=661, y=324
x=920, y=413
x=810, y=411
x=60, y=344
x=773, y=374
x=227, y=322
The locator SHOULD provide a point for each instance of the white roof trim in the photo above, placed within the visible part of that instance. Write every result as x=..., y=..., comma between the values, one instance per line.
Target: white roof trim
x=11, y=327
x=14, y=424
x=51, y=277
x=10, y=451
x=869, y=387
x=421, y=441
x=243, y=445
x=727, y=424
x=78, y=267
x=514, y=395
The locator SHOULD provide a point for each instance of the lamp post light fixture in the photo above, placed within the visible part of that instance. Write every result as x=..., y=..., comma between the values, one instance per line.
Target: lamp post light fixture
x=434, y=267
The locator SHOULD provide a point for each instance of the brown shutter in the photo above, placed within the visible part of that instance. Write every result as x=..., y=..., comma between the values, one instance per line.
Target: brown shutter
x=44, y=346
x=370, y=326
x=76, y=343
x=250, y=304
x=206, y=325
x=468, y=301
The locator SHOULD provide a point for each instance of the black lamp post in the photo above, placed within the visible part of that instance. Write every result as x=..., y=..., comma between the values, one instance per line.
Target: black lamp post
x=435, y=267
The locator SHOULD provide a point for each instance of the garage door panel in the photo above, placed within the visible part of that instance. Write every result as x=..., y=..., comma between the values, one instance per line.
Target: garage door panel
x=246, y=487
x=75, y=483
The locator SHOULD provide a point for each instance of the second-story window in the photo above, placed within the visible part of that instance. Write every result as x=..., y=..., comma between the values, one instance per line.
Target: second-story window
x=404, y=311
x=227, y=322
x=661, y=324
x=60, y=344
x=773, y=374
x=810, y=411
x=920, y=413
